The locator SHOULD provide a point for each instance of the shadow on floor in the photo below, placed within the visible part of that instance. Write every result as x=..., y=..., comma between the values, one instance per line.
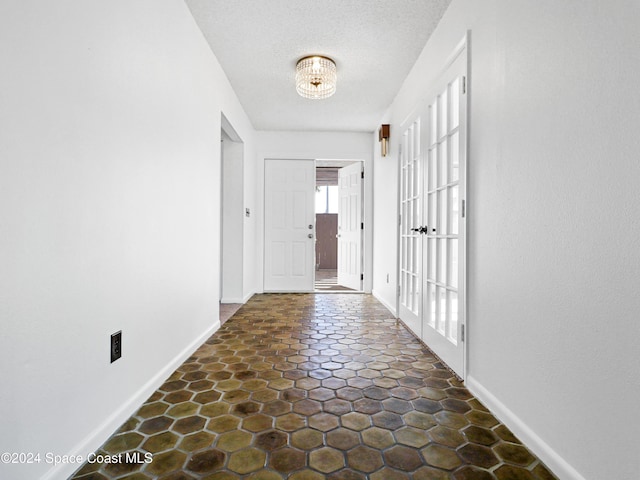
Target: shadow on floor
x=327, y=281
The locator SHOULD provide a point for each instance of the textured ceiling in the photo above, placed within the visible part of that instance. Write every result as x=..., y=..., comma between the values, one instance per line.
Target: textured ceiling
x=374, y=44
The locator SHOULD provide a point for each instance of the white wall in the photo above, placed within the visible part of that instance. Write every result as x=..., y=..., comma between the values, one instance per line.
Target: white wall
x=109, y=213
x=553, y=222
x=317, y=146
x=385, y=219
x=252, y=276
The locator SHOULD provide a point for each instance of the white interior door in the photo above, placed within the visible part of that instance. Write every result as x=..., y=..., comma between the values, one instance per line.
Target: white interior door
x=289, y=232
x=411, y=184
x=445, y=195
x=350, y=226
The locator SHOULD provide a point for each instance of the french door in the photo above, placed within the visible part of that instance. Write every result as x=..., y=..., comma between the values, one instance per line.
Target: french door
x=411, y=218
x=433, y=224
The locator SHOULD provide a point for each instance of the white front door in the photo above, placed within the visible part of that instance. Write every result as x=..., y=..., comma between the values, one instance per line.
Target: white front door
x=350, y=226
x=289, y=231
x=445, y=196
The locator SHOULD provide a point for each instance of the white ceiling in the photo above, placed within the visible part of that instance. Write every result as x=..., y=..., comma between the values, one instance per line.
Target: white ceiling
x=373, y=42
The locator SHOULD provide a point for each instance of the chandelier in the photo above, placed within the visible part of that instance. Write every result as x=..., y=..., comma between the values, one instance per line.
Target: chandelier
x=316, y=77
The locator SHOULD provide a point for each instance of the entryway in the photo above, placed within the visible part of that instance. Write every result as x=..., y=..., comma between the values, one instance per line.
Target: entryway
x=232, y=217
x=314, y=229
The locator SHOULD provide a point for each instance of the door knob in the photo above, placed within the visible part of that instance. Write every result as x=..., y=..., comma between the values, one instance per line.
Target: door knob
x=310, y=227
x=310, y=235
x=422, y=230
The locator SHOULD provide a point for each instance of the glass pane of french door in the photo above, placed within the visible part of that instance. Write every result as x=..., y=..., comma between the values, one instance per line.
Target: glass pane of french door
x=443, y=206
x=411, y=178
x=444, y=245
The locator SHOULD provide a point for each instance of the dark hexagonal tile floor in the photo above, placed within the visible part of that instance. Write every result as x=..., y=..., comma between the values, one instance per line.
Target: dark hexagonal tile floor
x=310, y=387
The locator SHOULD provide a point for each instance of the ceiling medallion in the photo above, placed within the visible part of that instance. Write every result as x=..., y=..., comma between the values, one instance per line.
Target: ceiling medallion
x=316, y=77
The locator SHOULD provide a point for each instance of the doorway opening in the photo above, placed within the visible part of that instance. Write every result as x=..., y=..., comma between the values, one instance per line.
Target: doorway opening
x=338, y=207
x=231, y=291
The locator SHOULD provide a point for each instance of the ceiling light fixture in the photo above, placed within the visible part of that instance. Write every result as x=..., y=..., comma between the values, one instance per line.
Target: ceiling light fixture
x=316, y=77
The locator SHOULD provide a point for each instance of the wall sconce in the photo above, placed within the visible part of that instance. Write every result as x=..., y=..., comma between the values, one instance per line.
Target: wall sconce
x=383, y=137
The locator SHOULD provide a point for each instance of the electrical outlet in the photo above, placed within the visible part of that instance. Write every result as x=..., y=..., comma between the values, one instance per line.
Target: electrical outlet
x=116, y=346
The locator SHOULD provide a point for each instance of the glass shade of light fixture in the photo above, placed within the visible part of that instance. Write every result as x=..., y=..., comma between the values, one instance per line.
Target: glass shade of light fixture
x=316, y=77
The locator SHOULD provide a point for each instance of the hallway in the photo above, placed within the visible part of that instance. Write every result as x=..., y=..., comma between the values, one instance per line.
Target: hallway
x=309, y=387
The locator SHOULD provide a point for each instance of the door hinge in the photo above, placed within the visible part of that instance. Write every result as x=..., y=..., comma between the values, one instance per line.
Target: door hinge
x=399, y=220
x=462, y=332
x=398, y=290
x=463, y=209
x=362, y=174
x=464, y=85
x=361, y=225
x=362, y=276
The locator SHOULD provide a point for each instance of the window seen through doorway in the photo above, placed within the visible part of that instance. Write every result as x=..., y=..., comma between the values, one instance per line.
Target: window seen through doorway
x=327, y=199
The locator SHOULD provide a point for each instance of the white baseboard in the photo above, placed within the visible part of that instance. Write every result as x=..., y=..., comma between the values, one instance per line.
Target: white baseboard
x=95, y=439
x=558, y=465
x=248, y=296
x=242, y=300
x=392, y=309
x=231, y=300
